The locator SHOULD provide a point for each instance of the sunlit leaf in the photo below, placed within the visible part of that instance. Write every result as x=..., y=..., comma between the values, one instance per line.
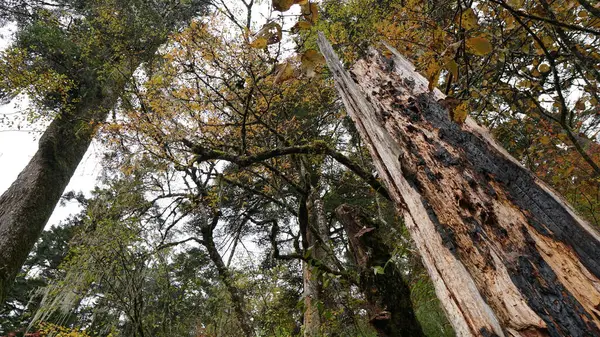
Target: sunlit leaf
x=310, y=12
x=469, y=19
x=545, y=140
x=271, y=32
x=310, y=60
x=544, y=68
x=460, y=113
x=284, y=72
x=301, y=25
x=452, y=67
x=515, y=3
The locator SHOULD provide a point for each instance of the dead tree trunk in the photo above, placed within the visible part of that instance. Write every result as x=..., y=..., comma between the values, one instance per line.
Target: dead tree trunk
x=507, y=256
x=391, y=310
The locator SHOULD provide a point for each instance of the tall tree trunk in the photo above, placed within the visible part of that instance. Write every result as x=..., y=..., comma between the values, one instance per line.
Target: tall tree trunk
x=237, y=298
x=391, y=312
x=28, y=203
x=310, y=274
x=506, y=255
x=312, y=319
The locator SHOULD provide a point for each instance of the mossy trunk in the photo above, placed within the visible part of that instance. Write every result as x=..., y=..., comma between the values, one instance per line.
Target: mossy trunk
x=28, y=203
x=388, y=294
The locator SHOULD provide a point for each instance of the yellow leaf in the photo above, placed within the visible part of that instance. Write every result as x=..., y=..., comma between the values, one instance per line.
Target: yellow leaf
x=310, y=12
x=510, y=23
x=545, y=140
x=460, y=113
x=284, y=72
x=302, y=25
x=479, y=46
x=432, y=73
x=469, y=19
x=259, y=43
x=282, y=5
x=433, y=80
x=452, y=67
x=270, y=32
x=517, y=4
x=524, y=84
x=544, y=68
x=310, y=60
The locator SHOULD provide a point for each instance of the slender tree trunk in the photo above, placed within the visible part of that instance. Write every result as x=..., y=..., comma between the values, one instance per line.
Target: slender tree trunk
x=506, y=255
x=237, y=298
x=311, y=275
x=391, y=310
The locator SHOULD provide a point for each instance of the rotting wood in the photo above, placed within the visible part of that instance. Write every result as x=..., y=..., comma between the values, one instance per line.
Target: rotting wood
x=507, y=256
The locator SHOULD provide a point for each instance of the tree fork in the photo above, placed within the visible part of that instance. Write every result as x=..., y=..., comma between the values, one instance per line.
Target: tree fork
x=507, y=256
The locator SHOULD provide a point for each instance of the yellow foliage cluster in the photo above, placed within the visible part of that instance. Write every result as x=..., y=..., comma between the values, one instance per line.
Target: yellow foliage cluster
x=55, y=330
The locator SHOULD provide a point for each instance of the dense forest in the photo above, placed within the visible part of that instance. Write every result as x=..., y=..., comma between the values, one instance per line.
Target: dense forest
x=305, y=168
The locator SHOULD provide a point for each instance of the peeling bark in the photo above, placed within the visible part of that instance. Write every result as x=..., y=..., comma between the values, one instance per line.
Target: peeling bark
x=507, y=256
x=391, y=312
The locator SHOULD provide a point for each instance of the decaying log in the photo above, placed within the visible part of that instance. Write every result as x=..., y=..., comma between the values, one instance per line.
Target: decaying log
x=507, y=256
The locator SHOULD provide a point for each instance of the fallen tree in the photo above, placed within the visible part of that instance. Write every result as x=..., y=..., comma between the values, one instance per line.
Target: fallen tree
x=507, y=256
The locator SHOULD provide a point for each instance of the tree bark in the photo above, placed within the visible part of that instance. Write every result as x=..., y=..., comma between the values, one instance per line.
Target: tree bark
x=507, y=256
x=28, y=203
x=237, y=298
x=391, y=311
x=310, y=274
